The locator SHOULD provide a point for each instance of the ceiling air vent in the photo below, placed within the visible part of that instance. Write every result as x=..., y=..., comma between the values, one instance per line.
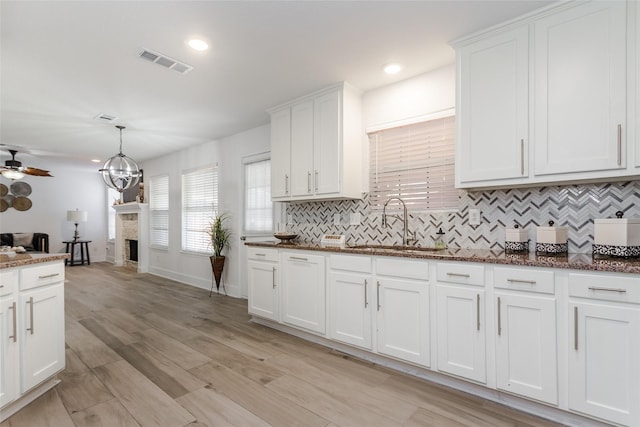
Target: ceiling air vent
x=105, y=117
x=165, y=61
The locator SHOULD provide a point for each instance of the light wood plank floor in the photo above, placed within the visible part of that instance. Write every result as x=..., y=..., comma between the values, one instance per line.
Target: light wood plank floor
x=146, y=351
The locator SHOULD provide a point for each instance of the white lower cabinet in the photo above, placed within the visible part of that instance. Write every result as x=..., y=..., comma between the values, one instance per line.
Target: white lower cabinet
x=461, y=332
x=350, y=308
x=32, y=335
x=303, y=290
x=526, y=350
x=604, y=374
x=403, y=319
x=262, y=280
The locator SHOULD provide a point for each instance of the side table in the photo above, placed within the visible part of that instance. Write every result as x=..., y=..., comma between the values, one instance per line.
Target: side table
x=84, y=248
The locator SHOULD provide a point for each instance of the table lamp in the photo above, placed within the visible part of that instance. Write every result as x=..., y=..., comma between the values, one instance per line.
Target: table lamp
x=76, y=217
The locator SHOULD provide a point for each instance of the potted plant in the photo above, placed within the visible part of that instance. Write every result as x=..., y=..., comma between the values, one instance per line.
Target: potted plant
x=220, y=238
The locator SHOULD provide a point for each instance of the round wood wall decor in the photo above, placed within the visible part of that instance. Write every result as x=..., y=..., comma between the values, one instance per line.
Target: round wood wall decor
x=22, y=204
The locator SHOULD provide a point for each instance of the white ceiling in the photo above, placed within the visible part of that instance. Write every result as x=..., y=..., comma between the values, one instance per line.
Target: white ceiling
x=64, y=62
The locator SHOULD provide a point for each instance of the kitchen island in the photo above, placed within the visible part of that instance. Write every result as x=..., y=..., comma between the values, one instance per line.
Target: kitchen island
x=550, y=335
x=32, y=338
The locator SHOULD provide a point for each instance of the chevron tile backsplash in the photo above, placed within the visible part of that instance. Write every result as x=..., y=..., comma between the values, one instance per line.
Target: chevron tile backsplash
x=573, y=206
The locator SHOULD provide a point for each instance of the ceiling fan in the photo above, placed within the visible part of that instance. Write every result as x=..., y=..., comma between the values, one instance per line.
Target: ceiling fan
x=13, y=169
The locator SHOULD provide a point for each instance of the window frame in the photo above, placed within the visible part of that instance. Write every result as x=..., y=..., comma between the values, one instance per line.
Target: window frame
x=255, y=158
x=443, y=114
x=152, y=198
x=211, y=214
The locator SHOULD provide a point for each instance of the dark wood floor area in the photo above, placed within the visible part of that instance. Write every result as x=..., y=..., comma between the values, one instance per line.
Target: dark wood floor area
x=142, y=350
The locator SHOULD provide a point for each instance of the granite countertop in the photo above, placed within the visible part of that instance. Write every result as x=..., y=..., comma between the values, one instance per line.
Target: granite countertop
x=18, y=260
x=578, y=261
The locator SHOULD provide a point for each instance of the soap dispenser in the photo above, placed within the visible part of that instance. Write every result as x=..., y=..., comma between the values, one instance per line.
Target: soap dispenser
x=439, y=240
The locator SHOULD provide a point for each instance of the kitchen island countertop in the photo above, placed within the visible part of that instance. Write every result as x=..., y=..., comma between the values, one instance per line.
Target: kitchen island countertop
x=578, y=261
x=19, y=260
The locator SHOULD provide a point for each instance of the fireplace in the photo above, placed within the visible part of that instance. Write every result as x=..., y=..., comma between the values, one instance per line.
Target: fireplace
x=132, y=230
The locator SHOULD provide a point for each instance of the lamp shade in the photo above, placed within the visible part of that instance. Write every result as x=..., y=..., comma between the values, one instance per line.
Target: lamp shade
x=77, y=216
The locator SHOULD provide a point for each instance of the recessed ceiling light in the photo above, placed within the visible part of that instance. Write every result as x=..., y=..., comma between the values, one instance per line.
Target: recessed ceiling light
x=96, y=160
x=392, y=68
x=197, y=44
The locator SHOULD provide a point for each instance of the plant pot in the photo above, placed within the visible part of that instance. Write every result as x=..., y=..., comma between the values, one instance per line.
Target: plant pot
x=217, y=264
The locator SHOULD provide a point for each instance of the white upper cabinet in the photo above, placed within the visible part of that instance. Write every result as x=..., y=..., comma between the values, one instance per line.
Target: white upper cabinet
x=494, y=108
x=322, y=147
x=549, y=98
x=580, y=89
x=281, y=154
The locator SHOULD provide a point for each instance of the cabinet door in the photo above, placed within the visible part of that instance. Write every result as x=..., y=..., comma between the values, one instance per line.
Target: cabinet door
x=302, y=149
x=526, y=353
x=403, y=319
x=303, y=291
x=461, y=332
x=327, y=143
x=580, y=89
x=263, y=289
x=281, y=153
x=494, y=108
x=350, y=308
x=9, y=384
x=41, y=334
x=604, y=375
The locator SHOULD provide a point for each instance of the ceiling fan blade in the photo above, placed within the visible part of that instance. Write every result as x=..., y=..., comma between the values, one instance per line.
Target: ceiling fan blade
x=36, y=172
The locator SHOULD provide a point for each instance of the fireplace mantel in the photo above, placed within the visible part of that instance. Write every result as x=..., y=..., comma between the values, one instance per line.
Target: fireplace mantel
x=141, y=210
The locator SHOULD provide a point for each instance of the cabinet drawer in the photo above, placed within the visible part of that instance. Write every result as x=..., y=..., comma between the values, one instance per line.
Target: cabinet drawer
x=407, y=269
x=8, y=282
x=460, y=273
x=42, y=275
x=361, y=264
x=262, y=254
x=523, y=279
x=605, y=287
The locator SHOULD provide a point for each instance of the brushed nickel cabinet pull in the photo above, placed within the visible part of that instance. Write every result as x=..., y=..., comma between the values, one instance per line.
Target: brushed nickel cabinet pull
x=366, y=302
x=522, y=157
x=458, y=275
x=286, y=184
x=30, y=302
x=49, y=276
x=499, y=319
x=261, y=254
x=575, y=328
x=478, y=311
x=297, y=258
x=618, y=290
x=273, y=276
x=528, y=282
x=378, y=294
x=15, y=324
x=308, y=182
x=316, y=181
x=619, y=144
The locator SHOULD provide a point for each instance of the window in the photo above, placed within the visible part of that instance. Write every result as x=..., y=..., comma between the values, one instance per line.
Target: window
x=112, y=196
x=258, y=207
x=159, y=211
x=416, y=163
x=199, y=206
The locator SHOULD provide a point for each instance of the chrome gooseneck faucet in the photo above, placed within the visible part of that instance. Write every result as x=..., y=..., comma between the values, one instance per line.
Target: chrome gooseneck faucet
x=404, y=219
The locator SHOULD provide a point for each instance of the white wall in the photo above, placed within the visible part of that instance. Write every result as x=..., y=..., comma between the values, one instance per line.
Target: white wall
x=72, y=187
x=195, y=269
x=414, y=97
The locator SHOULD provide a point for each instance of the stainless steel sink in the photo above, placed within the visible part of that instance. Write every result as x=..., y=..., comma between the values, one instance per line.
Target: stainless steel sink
x=400, y=248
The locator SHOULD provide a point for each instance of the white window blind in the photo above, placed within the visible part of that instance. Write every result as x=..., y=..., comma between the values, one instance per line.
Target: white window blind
x=416, y=163
x=159, y=211
x=112, y=196
x=199, y=206
x=258, y=207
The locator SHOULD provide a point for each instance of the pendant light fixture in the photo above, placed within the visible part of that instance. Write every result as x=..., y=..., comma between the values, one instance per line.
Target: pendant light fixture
x=120, y=172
